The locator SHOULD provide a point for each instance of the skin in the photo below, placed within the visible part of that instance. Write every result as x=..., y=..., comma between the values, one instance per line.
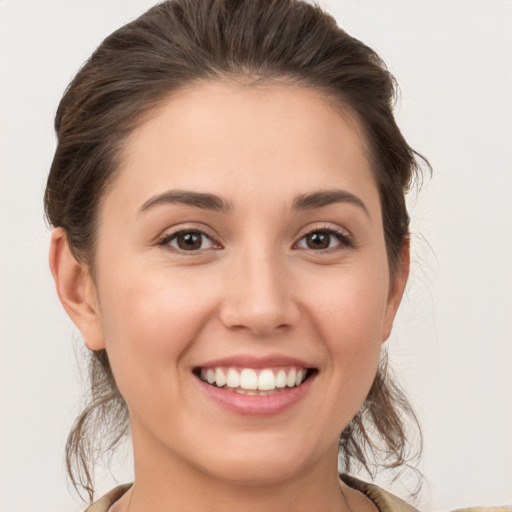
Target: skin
x=257, y=288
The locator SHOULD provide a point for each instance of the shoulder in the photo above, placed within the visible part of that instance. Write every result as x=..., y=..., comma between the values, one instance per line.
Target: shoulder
x=485, y=509
x=386, y=502
x=105, y=502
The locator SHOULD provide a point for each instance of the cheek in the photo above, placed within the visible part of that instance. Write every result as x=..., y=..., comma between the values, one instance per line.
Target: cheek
x=354, y=304
x=149, y=322
x=349, y=313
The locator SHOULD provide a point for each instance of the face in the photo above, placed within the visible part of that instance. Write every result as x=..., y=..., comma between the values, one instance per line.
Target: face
x=242, y=244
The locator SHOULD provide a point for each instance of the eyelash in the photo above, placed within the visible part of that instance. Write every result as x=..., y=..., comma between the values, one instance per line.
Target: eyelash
x=165, y=241
x=345, y=241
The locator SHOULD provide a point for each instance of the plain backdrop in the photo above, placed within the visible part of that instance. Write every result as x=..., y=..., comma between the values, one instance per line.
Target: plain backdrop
x=452, y=344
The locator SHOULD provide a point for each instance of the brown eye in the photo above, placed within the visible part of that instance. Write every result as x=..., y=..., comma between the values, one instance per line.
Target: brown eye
x=318, y=240
x=189, y=241
x=322, y=240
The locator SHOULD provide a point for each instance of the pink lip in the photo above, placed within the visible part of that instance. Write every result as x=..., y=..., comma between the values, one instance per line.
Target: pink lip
x=246, y=361
x=247, y=405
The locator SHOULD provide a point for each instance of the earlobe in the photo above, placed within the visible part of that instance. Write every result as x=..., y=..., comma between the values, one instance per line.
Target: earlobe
x=396, y=289
x=76, y=290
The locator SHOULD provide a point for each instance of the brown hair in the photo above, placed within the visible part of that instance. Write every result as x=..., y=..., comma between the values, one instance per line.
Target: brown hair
x=172, y=45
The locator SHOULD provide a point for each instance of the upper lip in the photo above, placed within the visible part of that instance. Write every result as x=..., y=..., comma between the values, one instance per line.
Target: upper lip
x=248, y=361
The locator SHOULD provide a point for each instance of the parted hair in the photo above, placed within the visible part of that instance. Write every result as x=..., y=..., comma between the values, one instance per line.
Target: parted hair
x=178, y=43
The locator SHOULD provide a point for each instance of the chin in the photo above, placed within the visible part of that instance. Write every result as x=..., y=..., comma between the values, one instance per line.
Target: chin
x=251, y=473
x=260, y=465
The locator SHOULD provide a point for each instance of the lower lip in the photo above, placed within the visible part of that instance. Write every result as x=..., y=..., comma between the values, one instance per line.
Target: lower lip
x=249, y=405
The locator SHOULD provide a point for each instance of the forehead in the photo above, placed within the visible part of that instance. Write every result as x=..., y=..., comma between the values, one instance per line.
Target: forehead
x=231, y=138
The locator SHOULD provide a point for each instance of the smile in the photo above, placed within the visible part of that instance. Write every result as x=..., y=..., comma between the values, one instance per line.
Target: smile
x=252, y=381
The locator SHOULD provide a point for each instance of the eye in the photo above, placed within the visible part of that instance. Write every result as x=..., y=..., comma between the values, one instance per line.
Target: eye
x=324, y=239
x=189, y=241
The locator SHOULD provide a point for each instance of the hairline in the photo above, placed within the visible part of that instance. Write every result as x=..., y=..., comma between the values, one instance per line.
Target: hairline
x=243, y=79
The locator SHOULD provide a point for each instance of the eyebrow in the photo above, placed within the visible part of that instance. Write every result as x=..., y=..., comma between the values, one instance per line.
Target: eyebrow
x=212, y=202
x=201, y=200
x=321, y=198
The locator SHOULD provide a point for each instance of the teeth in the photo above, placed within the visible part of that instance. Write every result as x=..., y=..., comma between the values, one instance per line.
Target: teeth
x=248, y=379
x=266, y=380
x=249, y=382
x=232, y=378
x=281, y=379
x=251, y=392
x=290, y=379
x=220, y=377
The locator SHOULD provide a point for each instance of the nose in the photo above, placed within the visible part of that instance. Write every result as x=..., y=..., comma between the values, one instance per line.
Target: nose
x=259, y=295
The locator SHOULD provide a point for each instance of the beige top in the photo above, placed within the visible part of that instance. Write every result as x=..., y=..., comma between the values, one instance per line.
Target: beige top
x=384, y=501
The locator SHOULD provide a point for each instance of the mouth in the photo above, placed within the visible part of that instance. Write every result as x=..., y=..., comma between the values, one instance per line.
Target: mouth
x=255, y=381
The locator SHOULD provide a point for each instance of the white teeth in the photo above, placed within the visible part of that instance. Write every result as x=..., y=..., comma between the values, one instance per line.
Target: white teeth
x=266, y=380
x=220, y=378
x=290, y=379
x=281, y=379
x=210, y=376
x=252, y=392
x=248, y=381
x=233, y=378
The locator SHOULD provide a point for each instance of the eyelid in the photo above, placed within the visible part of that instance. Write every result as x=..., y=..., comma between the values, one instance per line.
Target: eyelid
x=324, y=226
x=167, y=236
x=344, y=236
x=346, y=239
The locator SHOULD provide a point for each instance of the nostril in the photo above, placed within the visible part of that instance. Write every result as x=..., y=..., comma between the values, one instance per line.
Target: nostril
x=260, y=305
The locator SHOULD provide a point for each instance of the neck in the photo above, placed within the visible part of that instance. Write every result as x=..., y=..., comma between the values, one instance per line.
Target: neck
x=165, y=482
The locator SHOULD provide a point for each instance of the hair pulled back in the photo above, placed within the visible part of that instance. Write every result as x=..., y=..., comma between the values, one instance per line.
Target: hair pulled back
x=181, y=42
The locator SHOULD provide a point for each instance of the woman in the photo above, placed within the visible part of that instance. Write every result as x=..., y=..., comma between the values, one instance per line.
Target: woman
x=232, y=242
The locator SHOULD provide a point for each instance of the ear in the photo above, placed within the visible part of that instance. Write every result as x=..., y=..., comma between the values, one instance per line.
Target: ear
x=396, y=289
x=76, y=290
